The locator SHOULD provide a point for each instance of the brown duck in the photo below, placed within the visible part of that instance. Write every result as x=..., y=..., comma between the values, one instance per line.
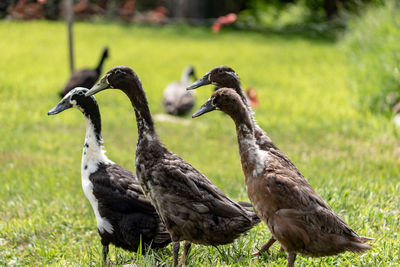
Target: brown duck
x=191, y=207
x=295, y=214
x=224, y=76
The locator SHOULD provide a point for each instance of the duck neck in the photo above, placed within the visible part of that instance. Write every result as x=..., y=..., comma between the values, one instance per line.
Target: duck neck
x=262, y=140
x=93, y=146
x=252, y=158
x=185, y=78
x=144, y=121
x=244, y=129
x=238, y=88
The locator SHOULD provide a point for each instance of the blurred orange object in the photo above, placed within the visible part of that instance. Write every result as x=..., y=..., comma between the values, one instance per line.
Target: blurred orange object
x=251, y=94
x=224, y=20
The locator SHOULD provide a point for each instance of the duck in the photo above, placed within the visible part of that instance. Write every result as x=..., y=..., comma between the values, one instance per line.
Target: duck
x=225, y=77
x=192, y=208
x=177, y=100
x=125, y=217
x=85, y=77
x=295, y=214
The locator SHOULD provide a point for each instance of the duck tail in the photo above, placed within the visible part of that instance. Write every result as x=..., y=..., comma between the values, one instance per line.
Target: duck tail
x=245, y=204
x=365, y=239
x=360, y=245
x=104, y=55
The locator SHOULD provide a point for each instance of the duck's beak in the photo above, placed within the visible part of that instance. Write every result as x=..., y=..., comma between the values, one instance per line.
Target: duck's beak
x=200, y=82
x=63, y=105
x=100, y=86
x=206, y=107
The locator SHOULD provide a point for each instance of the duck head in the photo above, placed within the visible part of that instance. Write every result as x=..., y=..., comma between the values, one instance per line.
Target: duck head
x=224, y=99
x=117, y=78
x=222, y=76
x=74, y=99
x=190, y=72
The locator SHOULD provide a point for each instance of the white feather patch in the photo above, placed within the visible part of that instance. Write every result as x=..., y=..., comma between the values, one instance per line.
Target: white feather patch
x=256, y=157
x=93, y=154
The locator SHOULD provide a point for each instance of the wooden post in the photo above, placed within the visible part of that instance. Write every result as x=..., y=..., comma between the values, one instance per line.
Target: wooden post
x=70, y=21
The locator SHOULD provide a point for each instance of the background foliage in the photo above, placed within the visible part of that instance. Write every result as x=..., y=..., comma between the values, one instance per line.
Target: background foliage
x=373, y=45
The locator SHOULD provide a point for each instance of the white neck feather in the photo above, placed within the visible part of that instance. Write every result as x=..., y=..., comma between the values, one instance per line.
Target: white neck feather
x=250, y=152
x=93, y=154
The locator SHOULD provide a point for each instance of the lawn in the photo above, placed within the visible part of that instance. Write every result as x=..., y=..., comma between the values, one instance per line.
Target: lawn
x=350, y=156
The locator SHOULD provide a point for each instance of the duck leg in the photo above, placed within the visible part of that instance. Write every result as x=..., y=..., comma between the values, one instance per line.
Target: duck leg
x=291, y=259
x=105, y=252
x=186, y=248
x=175, y=252
x=264, y=247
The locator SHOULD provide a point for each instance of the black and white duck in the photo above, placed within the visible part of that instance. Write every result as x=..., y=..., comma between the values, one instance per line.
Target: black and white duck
x=294, y=213
x=85, y=77
x=177, y=100
x=191, y=207
x=125, y=217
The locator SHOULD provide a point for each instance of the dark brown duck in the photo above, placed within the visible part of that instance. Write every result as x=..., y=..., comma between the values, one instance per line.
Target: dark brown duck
x=86, y=77
x=295, y=214
x=192, y=208
x=125, y=217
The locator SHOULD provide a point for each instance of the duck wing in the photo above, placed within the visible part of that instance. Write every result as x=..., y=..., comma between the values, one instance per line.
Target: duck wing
x=292, y=192
x=193, y=189
x=119, y=190
x=83, y=78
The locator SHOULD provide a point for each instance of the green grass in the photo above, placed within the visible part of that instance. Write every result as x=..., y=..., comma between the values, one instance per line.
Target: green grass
x=350, y=157
x=373, y=46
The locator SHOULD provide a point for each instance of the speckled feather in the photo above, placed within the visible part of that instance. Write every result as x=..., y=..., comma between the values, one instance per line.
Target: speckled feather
x=295, y=214
x=191, y=207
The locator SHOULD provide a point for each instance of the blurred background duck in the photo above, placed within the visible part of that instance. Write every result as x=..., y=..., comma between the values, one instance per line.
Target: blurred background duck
x=177, y=100
x=125, y=217
x=85, y=77
x=192, y=208
x=295, y=214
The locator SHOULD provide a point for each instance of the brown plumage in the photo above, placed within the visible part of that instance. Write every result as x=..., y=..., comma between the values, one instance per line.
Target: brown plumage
x=224, y=76
x=295, y=214
x=191, y=207
x=85, y=77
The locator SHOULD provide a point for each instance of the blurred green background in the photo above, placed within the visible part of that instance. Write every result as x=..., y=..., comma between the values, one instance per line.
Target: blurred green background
x=326, y=92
